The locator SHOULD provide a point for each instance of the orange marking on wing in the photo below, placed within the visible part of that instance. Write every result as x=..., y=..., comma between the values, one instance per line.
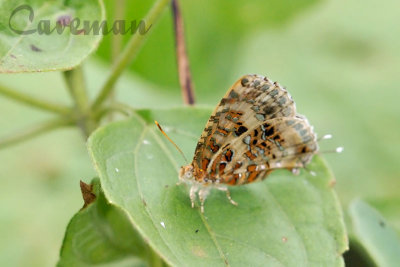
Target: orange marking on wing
x=222, y=131
x=234, y=114
x=214, y=166
x=214, y=147
x=204, y=163
x=228, y=155
x=252, y=173
x=251, y=168
x=250, y=155
x=221, y=168
x=252, y=176
x=234, y=179
x=237, y=165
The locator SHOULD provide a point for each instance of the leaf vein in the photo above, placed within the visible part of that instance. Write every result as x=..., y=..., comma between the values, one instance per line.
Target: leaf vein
x=279, y=206
x=138, y=146
x=211, y=233
x=252, y=247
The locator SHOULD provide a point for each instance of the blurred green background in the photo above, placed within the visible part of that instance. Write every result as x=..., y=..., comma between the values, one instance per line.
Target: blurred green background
x=340, y=60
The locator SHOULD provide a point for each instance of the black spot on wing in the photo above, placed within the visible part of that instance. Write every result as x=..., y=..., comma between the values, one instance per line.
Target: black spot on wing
x=270, y=131
x=241, y=130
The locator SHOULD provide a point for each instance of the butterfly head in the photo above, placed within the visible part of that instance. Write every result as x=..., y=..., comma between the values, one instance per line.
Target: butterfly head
x=186, y=174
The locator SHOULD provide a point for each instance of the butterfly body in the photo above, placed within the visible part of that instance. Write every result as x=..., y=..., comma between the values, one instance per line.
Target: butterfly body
x=254, y=130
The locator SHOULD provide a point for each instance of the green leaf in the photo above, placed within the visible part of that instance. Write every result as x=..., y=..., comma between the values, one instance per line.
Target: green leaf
x=101, y=233
x=372, y=232
x=283, y=221
x=45, y=51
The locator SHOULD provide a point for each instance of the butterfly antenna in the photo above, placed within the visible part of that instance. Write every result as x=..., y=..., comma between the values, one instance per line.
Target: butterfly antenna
x=336, y=150
x=169, y=139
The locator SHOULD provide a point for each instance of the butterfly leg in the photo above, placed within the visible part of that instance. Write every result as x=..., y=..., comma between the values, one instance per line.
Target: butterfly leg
x=193, y=191
x=203, y=193
x=228, y=194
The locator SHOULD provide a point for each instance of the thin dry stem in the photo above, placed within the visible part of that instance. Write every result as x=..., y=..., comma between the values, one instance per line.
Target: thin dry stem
x=185, y=78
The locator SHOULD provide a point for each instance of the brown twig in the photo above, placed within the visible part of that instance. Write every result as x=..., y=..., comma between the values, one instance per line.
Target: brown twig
x=185, y=78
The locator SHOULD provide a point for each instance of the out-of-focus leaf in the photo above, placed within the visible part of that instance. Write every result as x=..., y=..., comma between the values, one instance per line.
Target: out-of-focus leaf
x=374, y=234
x=101, y=233
x=38, y=51
x=284, y=221
x=389, y=208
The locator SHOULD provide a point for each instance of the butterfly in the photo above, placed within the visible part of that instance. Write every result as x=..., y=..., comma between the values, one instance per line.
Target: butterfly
x=253, y=131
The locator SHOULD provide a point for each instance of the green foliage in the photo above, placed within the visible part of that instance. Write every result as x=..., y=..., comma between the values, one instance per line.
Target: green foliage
x=101, y=233
x=286, y=220
x=374, y=235
x=215, y=29
x=333, y=72
x=40, y=51
x=338, y=59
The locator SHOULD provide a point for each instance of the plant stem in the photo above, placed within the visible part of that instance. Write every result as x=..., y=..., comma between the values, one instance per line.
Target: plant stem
x=34, y=102
x=33, y=132
x=76, y=86
x=116, y=44
x=185, y=79
x=116, y=41
x=129, y=53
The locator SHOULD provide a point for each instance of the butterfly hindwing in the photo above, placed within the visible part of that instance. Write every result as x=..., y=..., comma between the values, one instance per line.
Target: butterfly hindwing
x=277, y=143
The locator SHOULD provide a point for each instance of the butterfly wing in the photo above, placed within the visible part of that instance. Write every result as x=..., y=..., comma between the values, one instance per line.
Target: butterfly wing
x=278, y=143
x=224, y=146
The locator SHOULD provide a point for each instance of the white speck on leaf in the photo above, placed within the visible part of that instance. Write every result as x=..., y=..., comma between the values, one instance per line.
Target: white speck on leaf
x=146, y=142
x=116, y=169
x=162, y=224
